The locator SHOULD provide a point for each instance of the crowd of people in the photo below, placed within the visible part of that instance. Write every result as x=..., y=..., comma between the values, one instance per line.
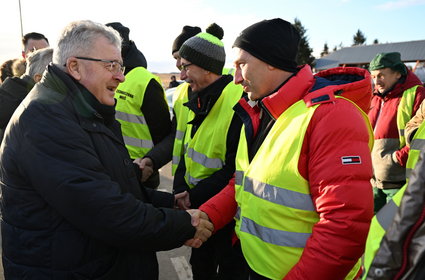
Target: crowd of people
x=278, y=173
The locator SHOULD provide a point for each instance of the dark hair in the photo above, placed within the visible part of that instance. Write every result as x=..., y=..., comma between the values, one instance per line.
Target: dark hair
x=6, y=69
x=34, y=36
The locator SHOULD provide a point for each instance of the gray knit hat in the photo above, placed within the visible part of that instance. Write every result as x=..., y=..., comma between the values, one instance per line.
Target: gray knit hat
x=206, y=49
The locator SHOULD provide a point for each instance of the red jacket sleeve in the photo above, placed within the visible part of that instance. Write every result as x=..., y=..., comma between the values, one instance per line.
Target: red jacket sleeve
x=222, y=207
x=341, y=192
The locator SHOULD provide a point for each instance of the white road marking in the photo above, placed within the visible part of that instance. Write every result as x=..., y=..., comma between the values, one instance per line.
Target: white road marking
x=182, y=268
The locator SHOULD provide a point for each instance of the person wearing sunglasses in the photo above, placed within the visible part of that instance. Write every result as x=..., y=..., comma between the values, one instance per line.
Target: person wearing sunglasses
x=73, y=206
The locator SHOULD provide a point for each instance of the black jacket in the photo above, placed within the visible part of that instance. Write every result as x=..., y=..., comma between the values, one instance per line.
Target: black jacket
x=12, y=92
x=72, y=204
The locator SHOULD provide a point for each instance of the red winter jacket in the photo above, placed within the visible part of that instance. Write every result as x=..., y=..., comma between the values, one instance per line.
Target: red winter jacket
x=389, y=160
x=342, y=194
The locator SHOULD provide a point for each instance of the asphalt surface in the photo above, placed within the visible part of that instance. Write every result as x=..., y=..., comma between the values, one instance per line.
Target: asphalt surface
x=174, y=264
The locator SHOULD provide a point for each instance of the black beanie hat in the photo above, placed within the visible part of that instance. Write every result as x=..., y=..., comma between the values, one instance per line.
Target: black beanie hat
x=124, y=31
x=206, y=49
x=273, y=41
x=187, y=32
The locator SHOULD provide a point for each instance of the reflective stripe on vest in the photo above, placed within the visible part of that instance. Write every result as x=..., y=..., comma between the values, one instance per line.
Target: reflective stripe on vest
x=404, y=112
x=276, y=215
x=130, y=95
x=179, y=98
x=417, y=145
x=378, y=227
x=206, y=151
x=276, y=195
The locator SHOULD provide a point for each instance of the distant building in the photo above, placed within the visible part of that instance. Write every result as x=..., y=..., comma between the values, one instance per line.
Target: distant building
x=361, y=55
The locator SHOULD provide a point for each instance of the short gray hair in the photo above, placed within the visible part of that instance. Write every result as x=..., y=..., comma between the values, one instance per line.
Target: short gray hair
x=38, y=60
x=78, y=37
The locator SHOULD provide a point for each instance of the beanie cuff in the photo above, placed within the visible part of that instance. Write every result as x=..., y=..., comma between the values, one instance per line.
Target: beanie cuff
x=283, y=64
x=205, y=62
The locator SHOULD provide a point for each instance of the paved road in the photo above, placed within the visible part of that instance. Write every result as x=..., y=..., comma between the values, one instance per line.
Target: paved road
x=173, y=265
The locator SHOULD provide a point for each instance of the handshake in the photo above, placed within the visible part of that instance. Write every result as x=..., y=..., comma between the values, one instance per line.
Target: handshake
x=204, y=228
x=200, y=220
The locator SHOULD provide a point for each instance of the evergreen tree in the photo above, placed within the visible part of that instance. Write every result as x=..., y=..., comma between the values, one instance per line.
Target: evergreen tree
x=375, y=42
x=359, y=38
x=325, y=50
x=304, y=52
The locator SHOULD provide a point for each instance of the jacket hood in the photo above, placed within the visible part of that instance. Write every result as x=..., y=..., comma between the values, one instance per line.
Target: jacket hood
x=133, y=57
x=350, y=82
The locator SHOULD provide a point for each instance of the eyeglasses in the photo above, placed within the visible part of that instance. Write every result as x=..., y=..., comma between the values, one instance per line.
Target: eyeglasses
x=113, y=66
x=183, y=67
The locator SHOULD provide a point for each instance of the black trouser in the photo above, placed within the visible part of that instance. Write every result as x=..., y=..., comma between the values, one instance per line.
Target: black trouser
x=217, y=259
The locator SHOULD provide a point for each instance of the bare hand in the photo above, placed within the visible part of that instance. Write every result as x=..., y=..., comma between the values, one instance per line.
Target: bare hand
x=204, y=228
x=146, y=166
x=182, y=200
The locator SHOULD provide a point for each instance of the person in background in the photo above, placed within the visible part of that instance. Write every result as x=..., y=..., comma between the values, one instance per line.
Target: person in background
x=72, y=202
x=171, y=147
x=173, y=82
x=301, y=195
x=141, y=106
x=33, y=41
x=15, y=89
x=18, y=67
x=397, y=96
x=6, y=69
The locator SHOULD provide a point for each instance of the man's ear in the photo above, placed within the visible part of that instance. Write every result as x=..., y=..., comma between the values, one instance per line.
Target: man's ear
x=37, y=77
x=73, y=68
x=271, y=68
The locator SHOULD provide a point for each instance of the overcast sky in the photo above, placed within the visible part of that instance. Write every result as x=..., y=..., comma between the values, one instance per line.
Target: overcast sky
x=155, y=24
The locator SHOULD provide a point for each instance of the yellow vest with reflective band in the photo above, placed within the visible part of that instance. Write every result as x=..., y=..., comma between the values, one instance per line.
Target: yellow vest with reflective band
x=417, y=145
x=205, y=153
x=130, y=95
x=404, y=112
x=276, y=214
x=180, y=97
x=383, y=219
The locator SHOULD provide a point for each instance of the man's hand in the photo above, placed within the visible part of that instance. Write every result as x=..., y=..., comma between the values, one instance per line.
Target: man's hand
x=182, y=200
x=146, y=166
x=204, y=228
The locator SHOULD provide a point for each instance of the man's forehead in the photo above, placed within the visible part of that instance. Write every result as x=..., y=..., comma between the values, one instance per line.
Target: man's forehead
x=381, y=71
x=38, y=43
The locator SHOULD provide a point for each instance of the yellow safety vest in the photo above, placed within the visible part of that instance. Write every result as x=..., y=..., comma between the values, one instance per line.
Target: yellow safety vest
x=180, y=97
x=205, y=153
x=130, y=95
x=404, y=112
x=384, y=218
x=276, y=214
x=228, y=71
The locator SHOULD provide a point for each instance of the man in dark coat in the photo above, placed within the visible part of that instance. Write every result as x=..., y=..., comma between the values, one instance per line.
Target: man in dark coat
x=14, y=89
x=72, y=205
